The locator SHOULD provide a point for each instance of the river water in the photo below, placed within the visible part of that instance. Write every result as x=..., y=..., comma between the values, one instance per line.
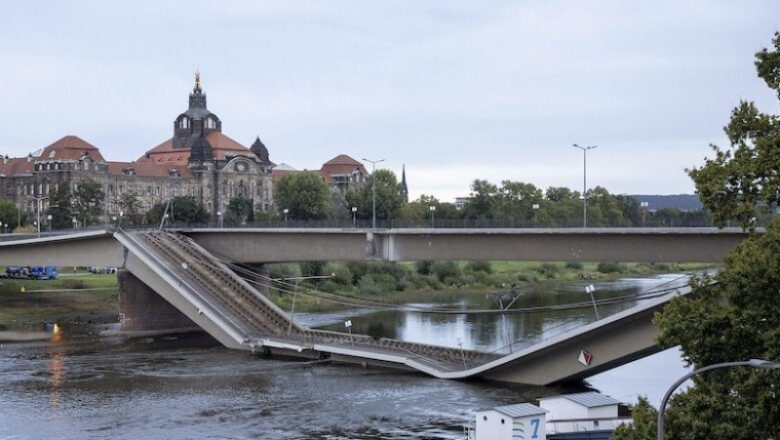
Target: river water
x=79, y=385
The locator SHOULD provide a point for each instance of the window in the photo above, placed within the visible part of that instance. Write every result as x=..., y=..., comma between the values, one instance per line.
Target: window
x=86, y=165
x=210, y=123
x=184, y=123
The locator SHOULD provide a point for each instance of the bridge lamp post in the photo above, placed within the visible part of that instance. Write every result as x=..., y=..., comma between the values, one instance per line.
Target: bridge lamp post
x=286, y=211
x=754, y=363
x=348, y=325
x=121, y=214
x=219, y=218
x=590, y=289
x=373, y=190
x=354, y=214
x=48, y=218
x=644, y=206
x=75, y=222
x=462, y=353
x=535, y=207
x=38, y=202
x=584, y=182
x=432, y=208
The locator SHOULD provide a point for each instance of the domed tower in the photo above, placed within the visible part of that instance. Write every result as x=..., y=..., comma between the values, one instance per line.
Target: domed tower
x=197, y=122
x=261, y=151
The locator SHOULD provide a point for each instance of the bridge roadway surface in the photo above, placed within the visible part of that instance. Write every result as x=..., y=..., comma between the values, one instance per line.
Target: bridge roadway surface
x=248, y=245
x=225, y=305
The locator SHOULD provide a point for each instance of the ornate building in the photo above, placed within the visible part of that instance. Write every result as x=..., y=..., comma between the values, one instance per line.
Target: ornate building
x=198, y=160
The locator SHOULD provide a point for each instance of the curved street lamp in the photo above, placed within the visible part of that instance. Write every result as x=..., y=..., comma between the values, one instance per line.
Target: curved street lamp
x=755, y=363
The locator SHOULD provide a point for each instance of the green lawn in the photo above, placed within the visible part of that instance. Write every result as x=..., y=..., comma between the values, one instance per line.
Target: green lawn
x=83, y=296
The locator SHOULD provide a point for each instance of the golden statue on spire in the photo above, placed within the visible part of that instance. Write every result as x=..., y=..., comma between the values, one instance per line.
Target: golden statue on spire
x=197, y=82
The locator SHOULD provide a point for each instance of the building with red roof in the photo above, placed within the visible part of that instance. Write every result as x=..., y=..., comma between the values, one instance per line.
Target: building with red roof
x=199, y=160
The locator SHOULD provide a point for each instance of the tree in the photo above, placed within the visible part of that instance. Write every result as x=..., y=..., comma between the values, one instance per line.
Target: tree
x=61, y=208
x=644, y=426
x=240, y=209
x=87, y=202
x=732, y=316
x=420, y=209
x=9, y=215
x=130, y=207
x=482, y=200
x=185, y=209
x=743, y=181
x=305, y=194
x=389, y=199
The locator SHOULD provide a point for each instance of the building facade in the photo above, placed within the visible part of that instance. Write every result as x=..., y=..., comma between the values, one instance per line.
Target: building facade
x=199, y=160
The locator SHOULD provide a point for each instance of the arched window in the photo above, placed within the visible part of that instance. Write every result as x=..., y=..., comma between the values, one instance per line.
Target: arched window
x=184, y=123
x=210, y=123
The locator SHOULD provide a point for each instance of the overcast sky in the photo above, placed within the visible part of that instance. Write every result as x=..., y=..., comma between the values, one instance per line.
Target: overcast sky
x=456, y=90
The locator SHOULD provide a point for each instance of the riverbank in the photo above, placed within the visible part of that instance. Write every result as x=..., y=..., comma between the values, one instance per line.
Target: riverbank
x=83, y=297
x=468, y=282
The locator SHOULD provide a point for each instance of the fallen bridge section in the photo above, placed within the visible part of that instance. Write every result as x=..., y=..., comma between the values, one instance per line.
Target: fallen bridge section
x=222, y=303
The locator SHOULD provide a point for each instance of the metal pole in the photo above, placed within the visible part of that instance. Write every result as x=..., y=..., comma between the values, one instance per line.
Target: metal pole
x=755, y=363
x=584, y=182
x=38, y=216
x=292, y=309
x=584, y=188
x=373, y=190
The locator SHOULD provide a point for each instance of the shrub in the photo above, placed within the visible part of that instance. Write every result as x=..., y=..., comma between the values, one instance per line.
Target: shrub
x=576, y=265
x=391, y=268
x=330, y=286
x=284, y=270
x=339, y=272
x=367, y=285
x=385, y=281
x=423, y=267
x=75, y=284
x=405, y=284
x=445, y=269
x=548, y=270
x=312, y=268
x=467, y=280
x=358, y=269
x=611, y=267
x=25, y=229
x=432, y=281
x=479, y=266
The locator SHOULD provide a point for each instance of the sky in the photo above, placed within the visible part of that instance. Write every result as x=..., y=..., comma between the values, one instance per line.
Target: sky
x=456, y=90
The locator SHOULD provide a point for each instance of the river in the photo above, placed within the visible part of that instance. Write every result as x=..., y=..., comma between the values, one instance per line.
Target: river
x=79, y=385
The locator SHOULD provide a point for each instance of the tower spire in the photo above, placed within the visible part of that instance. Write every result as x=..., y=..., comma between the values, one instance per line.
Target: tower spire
x=197, y=83
x=404, y=188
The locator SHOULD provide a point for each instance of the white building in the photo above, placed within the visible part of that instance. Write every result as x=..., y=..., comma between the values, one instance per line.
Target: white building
x=581, y=412
x=512, y=422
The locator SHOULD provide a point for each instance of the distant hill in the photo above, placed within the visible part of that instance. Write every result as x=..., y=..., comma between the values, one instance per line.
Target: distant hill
x=683, y=202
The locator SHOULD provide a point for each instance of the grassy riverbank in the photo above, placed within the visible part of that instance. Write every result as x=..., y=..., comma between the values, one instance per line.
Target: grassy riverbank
x=80, y=297
x=451, y=281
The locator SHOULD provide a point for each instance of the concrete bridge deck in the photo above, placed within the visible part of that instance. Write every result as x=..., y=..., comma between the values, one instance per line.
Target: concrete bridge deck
x=246, y=245
x=230, y=309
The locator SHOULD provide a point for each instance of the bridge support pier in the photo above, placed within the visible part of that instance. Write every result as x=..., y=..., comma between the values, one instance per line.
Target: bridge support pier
x=142, y=309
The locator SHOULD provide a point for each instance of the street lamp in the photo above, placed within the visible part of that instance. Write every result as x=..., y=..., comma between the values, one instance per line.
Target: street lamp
x=584, y=182
x=535, y=207
x=48, y=217
x=644, y=206
x=121, y=214
x=38, y=201
x=433, y=211
x=373, y=190
x=286, y=211
x=755, y=363
x=75, y=222
x=219, y=218
x=354, y=215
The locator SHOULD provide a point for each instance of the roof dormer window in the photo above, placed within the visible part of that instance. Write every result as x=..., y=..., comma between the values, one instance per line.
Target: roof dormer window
x=211, y=123
x=184, y=123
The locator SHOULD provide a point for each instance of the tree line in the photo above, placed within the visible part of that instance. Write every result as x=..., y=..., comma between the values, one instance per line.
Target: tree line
x=306, y=196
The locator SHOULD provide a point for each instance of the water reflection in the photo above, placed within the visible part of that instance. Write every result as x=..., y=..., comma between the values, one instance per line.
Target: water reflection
x=494, y=332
